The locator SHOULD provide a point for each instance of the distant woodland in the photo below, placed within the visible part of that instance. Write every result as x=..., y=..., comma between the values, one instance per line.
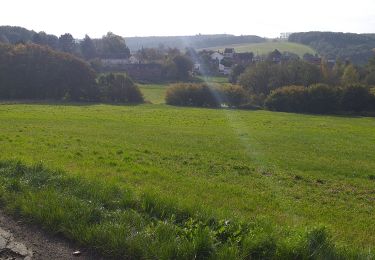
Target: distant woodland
x=356, y=48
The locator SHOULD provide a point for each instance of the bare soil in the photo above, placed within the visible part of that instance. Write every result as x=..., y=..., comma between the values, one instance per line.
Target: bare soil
x=35, y=242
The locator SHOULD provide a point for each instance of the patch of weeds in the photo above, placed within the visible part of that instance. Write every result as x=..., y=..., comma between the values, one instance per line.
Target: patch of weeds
x=243, y=169
x=113, y=164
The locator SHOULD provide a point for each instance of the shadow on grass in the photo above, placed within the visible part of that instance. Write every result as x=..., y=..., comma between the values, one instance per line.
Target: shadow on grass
x=51, y=102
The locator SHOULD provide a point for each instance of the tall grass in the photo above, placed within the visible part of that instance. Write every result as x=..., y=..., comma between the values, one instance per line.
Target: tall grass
x=119, y=223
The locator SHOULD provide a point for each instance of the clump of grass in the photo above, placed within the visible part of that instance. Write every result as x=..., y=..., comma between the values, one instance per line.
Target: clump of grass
x=116, y=222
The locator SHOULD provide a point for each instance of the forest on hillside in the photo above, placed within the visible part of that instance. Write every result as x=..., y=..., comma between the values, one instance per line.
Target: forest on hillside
x=357, y=48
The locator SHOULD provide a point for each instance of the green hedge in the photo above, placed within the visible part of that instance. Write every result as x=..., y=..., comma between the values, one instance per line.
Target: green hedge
x=206, y=95
x=321, y=99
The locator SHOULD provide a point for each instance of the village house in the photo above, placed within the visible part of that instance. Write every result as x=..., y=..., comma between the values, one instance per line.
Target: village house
x=230, y=57
x=258, y=58
x=312, y=59
x=217, y=56
x=244, y=58
x=229, y=53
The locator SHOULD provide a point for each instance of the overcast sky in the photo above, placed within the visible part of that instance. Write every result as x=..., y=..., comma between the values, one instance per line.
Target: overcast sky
x=266, y=18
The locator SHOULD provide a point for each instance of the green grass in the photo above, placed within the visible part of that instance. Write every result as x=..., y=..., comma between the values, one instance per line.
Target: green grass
x=220, y=80
x=154, y=93
x=267, y=47
x=154, y=163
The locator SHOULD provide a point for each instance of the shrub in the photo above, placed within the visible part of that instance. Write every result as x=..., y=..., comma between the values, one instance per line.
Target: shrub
x=288, y=99
x=234, y=96
x=322, y=98
x=355, y=98
x=119, y=88
x=200, y=95
x=203, y=95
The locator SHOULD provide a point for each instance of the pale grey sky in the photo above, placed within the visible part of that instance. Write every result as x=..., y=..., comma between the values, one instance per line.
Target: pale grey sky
x=189, y=17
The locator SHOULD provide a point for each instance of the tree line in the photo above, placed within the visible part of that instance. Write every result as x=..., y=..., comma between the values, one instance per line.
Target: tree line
x=298, y=86
x=356, y=48
x=109, y=46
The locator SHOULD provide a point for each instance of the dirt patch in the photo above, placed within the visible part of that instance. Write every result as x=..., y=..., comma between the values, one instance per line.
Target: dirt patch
x=21, y=240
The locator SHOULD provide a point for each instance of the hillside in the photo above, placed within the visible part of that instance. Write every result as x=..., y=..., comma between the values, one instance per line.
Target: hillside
x=197, y=41
x=267, y=47
x=357, y=48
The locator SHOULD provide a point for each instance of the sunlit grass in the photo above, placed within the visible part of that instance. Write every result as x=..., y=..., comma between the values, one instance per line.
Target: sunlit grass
x=291, y=170
x=154, y=93
x=267, y=47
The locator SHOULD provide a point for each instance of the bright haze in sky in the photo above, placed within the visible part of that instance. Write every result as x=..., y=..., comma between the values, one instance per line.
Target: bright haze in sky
x=266, y=18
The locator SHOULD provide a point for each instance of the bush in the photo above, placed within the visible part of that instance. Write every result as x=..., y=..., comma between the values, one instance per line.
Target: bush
x=355, y=98
x=322, y=98
x=203, y=95
x=119, y=88
x=200, y=95
x=234, y=96
x=288, y=99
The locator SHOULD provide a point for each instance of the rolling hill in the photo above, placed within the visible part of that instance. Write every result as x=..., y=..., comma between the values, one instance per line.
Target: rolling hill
x=194, y=41
x=267, y=47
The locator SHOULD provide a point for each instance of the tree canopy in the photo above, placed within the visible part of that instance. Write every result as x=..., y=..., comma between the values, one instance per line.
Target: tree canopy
x=36, y=72
x=356, y=48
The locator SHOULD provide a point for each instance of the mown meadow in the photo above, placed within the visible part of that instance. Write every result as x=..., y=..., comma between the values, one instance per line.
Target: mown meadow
x=267, y=47
x=156, y=181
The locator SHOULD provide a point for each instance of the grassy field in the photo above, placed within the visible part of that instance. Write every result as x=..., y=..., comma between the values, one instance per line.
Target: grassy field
x=267, y=47
x=289, y=171
x=154, y=93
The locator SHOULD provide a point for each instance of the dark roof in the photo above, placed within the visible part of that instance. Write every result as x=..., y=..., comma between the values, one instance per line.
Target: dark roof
x=229, y=50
